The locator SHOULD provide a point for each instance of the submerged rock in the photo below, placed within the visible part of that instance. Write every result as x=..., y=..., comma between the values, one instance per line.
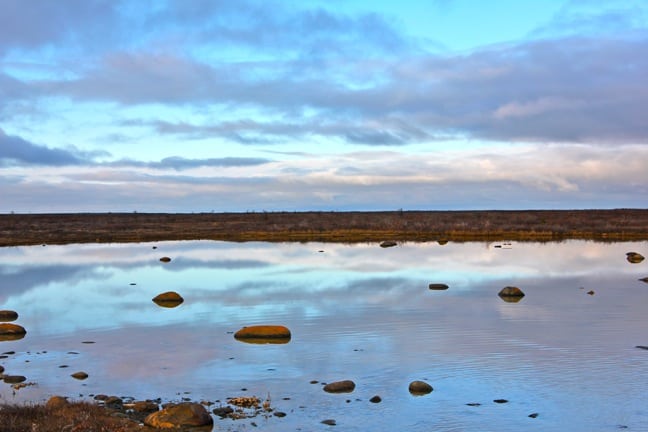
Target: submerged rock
x=634, y=257
x=8, y=315
x=182, y=415
x=264, y=334
x=345, y=386
x=13, y=379
x=169, y=299
x=438, y=286
x=420, y=388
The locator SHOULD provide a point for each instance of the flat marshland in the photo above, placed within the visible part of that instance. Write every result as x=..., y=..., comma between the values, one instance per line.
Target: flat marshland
x=534, y=225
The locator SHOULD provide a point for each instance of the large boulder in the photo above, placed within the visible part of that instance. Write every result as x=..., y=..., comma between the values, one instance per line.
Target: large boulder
x=8, y=315
x=275, y=334
x=346, y=386
x=182, y=415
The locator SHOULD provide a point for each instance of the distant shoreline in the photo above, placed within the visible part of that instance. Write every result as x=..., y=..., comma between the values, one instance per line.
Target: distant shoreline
x=326, y=226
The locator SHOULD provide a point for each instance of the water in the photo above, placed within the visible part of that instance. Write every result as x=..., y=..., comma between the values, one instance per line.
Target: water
x=356, y=312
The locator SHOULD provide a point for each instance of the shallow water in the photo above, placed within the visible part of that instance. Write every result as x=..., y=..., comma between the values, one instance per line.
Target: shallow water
x=356, y=312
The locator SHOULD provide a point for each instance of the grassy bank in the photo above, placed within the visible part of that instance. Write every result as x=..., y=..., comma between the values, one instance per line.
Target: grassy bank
x=539, y=225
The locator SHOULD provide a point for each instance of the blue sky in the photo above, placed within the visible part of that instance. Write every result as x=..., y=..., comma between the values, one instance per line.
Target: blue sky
x=197, y=105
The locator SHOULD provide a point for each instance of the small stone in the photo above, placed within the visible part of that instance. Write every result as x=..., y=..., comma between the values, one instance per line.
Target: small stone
x=643, y=347
x=511, y=291
x=345, y=386
x=1, y=369
x=438, y=286
x=420, y=388
x=644, y=279
x=13, y=379
x=165, y=259
x=329, y=422
x=56, y=402
x=169, y=299
x=500, y=401
x=534, y=415
x=375, y=399
x=388, y=243
x=79, y=375
x=590, y=292
x=113, y=402
x=223, y=411
x=8, y=315
x=473, y=404
x=263, y=334
x=634, y=257
x=279, y=414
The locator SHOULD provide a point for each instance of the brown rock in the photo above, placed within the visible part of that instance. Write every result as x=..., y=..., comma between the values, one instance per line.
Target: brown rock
x=7, y=329
x=634, y=257
x=388, y=243
x=438, y=286
x=275, y=334
x=165, y=259
x=145, y=406
x=187, y=414
x=644, y=279
x=8, y=315
x=169, y=299
x=420, y=388
x=79, y=375
x=1, y=369
x=13, y=379
x=56, y=402
x=346, y=386
x=511, y=291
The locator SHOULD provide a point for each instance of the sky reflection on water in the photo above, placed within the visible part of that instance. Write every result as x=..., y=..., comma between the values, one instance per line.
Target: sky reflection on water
x=356, y=312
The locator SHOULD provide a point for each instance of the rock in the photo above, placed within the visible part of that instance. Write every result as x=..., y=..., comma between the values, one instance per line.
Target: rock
x=264, y=334
x=375, y=399
x=511, y=291
x=634, y=257
x=188, y=414
x=165, y=259
x=442, y=242
x=8, y=315
x=279, y=414
x=223, y=411
x=346, y=386
x=590, y=292
x=56, y=402
x=419, y=388
x=388, y=243
x=79, y=375
x=10, y=332
x=533, y=415
x=473, y=404
x=113, y=402
x=645, y=279
x=438, y=286
x=1, y=369
x=145, y=406
x=643, y=347
x=169, y=299
x=500, y=401
x=329, y=422
x=13, y=379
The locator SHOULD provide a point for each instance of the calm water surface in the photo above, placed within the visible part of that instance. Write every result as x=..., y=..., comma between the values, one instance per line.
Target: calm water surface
x=356, y=312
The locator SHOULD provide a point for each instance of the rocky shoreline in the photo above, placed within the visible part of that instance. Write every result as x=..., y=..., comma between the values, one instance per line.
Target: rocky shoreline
x=534, y=225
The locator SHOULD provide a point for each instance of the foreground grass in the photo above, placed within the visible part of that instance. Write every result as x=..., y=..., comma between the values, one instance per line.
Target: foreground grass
x=74, y=417
x=536, y=225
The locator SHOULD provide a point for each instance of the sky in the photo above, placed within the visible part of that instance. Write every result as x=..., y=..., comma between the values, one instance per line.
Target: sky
x=243, y=105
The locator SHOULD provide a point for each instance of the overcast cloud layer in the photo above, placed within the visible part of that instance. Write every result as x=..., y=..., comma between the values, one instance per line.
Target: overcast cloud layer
x=247, y=105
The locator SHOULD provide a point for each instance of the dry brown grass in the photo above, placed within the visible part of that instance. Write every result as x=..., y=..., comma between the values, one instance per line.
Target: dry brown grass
x=622, y=224
x=74, y=417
